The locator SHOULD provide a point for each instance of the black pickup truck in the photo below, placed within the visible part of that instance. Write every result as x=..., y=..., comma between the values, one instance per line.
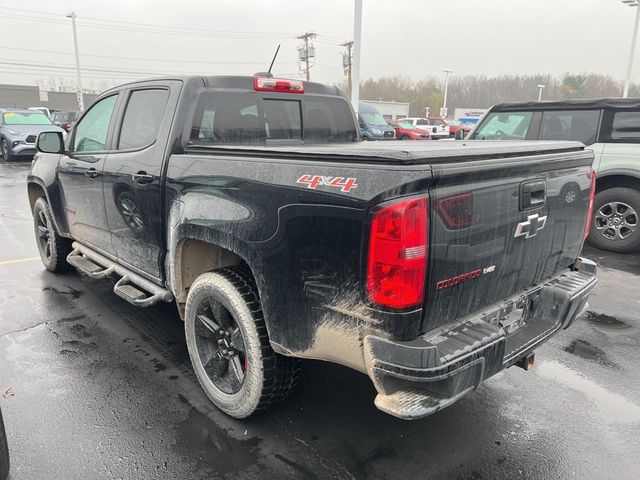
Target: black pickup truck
x=251, y=203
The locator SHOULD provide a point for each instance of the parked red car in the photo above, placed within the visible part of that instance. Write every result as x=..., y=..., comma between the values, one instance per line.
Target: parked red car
x=455, y=125
x=407, y=131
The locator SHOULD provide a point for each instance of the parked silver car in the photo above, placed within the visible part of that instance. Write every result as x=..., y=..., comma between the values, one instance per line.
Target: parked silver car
x=19, y=131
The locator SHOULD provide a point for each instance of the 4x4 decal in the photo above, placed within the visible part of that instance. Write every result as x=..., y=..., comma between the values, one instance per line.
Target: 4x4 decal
x=313, y=181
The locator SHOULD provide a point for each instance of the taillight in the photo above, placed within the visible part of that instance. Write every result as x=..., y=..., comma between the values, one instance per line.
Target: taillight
x=591, y=175
x=398, y=243
x=278, y=85
x=456, y=211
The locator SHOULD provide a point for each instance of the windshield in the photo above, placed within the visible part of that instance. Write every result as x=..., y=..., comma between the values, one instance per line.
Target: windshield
x=453, y=123
x=504, y=126
x=373, y=119
x=406, y=125
x=24, y=118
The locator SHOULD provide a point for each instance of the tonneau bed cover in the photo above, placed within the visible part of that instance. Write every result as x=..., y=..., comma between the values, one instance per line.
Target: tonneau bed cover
x=398, y=152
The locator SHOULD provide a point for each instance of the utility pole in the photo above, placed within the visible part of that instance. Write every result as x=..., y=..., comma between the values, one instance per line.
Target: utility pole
x=355, y=67
x=634, y=38
x=72, y=16
x=443, y=112
x=347, y=64
x=307, y=51
x=540, y=87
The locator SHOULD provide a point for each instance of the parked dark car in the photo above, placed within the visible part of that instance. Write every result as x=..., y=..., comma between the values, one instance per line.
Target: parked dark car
x=4, y=451
x=610, y=127
x=251, y=204
x=65, y=119
x=373, y=126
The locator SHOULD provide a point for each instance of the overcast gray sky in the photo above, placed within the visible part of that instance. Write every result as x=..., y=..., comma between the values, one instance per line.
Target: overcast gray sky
x=416, y=38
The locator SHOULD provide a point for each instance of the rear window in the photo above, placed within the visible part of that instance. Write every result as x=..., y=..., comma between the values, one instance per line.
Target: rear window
x=626, y=126
x=579, y=125
x=422, y=121
x=328, y=120
x=63, y=117
x=504, y=126
x=283, y=119
x=246, y=118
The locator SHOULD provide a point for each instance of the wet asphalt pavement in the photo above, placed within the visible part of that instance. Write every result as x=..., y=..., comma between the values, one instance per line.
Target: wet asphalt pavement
x=93, y=388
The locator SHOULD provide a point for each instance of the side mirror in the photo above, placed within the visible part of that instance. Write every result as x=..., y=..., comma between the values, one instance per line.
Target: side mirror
x=50, y=142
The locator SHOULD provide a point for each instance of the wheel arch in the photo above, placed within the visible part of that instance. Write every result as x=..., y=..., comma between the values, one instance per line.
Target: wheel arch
x=622, y=178
x=36, y=190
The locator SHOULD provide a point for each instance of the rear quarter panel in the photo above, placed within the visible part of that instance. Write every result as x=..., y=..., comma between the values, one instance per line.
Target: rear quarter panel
x=303, y=245
x=618, y=157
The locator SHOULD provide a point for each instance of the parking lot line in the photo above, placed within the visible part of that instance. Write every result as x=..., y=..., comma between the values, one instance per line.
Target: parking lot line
x=19, y=260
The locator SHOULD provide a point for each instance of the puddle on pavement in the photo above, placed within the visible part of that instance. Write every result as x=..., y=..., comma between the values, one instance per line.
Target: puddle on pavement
x=584, y=349
x=613, y=408
x=199, y=437
x=616, y=330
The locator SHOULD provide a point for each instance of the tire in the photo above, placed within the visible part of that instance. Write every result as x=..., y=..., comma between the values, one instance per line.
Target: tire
x=405, y=137
x=251, y=377
x=615, y=226
x=4, y=452
x=52, y=247
x=4, y=150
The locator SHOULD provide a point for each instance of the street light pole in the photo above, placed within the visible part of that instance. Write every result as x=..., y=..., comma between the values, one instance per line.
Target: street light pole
x=540, y=87
x=72, y=16
x=446, y=88
x=355, y=66
x=634, y=38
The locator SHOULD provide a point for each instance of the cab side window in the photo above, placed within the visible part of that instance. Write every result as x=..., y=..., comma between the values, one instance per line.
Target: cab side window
x=91, y=131
x=142, y=118
x=577, y=125
x=626, y=126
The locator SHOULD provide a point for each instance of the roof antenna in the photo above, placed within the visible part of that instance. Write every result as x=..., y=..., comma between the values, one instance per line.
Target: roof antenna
x=268, y=72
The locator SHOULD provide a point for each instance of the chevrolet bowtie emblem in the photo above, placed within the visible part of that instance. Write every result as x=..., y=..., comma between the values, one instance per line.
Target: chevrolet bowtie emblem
x=531, y=227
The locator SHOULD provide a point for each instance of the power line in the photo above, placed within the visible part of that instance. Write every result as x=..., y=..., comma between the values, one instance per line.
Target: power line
x=139, y=24
x=89, y=68
x=119, y=57
x=149, y=28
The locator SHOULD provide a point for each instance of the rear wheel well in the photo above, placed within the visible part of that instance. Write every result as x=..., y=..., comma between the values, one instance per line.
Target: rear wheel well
x=611, y=181
x=196, y=257
x=35, y=191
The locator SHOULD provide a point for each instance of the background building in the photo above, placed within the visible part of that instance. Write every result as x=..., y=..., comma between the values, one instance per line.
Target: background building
x=13, y=96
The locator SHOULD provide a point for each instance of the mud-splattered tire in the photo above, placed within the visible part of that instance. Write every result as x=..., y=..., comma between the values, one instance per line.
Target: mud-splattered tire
x=226, y=300
x=4, y=452
x=52, y=247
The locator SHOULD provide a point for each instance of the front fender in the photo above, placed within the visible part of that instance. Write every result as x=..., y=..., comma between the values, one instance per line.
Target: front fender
x=44, y=174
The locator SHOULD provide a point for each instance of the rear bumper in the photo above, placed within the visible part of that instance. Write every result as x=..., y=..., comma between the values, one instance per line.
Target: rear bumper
x=417, y=378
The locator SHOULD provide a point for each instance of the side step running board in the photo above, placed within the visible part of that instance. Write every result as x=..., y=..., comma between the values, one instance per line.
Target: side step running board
x=131, y=287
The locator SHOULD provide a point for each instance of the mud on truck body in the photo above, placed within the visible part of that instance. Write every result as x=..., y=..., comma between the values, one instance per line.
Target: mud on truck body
x=251, y=204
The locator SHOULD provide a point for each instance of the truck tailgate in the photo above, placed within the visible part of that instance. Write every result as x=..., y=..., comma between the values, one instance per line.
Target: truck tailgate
x=500, y=226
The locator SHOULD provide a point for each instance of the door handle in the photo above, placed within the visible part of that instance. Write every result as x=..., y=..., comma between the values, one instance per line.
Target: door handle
x=92, y=173
x=533, y=194
x=142, y=178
